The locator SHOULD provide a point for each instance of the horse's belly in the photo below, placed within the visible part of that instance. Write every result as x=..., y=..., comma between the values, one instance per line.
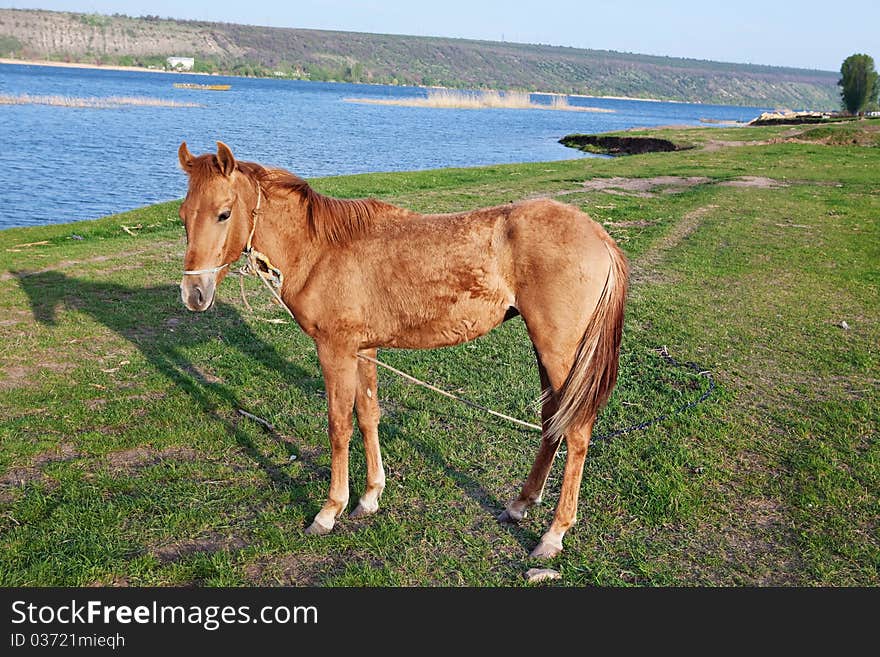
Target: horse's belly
x=449, y=326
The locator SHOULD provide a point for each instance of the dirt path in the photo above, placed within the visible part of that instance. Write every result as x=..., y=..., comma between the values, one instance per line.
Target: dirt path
x=647, y=268
x=713, y=145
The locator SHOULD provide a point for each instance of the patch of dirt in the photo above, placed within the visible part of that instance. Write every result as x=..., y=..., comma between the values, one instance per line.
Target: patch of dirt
x=713, y=145
x=203, y=375
x=147, y=396
x=64, y=452
x=116, y=581
x=646, y=268
x=301, y=569
x=16, y=478
x=310, y=452
x=15, y=377
x=637, y=223
x=25, y=412
x=142, y=457
x=18, y=376
x=209, y=542
x=753, y=181
x=650, y=187
x=643, y=187
x=19, y=477
x=100, y=402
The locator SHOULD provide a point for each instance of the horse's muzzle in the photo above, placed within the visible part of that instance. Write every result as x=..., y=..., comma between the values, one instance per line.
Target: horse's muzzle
x=197, y=292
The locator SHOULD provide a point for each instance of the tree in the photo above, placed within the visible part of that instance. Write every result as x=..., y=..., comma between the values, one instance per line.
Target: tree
x=859, y=83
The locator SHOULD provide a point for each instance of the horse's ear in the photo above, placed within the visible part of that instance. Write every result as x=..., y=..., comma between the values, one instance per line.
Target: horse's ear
x=225, y=159
x=186, y=158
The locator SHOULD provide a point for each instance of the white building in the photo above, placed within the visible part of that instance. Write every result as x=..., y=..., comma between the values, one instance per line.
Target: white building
x=181, y=63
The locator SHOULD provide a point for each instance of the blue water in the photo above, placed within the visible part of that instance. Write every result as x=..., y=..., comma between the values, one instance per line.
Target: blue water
x=60, y=164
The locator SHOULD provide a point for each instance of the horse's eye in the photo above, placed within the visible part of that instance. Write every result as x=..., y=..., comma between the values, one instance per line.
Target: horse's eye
x=224, y=215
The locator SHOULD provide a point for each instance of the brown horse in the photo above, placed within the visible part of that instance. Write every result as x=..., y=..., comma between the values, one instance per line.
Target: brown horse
x=361, y=274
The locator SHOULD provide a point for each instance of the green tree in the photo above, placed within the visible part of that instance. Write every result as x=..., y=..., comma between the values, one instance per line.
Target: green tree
x=858, y=80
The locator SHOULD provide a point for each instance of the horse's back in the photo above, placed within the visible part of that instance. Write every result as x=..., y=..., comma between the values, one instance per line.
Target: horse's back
x=544, y=221
x=510, y=247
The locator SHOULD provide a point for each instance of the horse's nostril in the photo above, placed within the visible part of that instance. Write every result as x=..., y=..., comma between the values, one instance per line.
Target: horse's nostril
x=196, y=297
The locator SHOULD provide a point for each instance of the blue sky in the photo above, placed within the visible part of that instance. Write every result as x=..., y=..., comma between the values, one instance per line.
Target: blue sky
x=805, y=34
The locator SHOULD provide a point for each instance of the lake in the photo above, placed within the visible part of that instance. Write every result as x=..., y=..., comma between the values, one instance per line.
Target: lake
x=61, y=164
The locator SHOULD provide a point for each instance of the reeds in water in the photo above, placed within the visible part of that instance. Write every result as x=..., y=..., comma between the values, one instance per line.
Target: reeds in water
x=490, y=99
x=106, y=102
x=559, y=102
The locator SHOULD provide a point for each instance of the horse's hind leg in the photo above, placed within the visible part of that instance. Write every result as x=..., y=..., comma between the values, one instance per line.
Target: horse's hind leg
x=367, y=406
x=533, y=488
x=576, y=441
x=554, y=369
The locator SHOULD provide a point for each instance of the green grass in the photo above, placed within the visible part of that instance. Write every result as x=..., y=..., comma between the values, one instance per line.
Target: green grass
x=123, y=459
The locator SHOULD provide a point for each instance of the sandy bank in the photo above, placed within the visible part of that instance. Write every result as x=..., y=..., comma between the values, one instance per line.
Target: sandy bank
x=105, y=67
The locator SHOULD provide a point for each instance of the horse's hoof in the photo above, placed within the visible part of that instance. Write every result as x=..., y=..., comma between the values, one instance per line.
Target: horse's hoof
x=510, y=517
x=317, y=529
x=361, y=511
x=545, y=550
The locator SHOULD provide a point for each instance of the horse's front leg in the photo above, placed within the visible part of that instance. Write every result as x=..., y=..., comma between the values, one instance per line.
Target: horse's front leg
x=367, y=405
x=339, y=367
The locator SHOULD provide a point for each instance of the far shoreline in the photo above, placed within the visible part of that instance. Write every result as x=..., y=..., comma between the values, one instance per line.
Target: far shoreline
x=143, y=69
x=104, y=67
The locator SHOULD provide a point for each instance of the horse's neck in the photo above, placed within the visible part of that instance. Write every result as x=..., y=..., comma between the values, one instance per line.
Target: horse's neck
x=282, y=235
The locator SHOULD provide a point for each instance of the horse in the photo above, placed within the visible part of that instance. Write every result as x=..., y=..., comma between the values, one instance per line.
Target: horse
x=359, y=275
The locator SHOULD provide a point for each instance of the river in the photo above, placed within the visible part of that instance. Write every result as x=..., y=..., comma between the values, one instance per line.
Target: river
x=61, y=163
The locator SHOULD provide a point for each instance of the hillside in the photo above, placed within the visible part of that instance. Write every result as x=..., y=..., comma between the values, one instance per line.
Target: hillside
x=356, y=57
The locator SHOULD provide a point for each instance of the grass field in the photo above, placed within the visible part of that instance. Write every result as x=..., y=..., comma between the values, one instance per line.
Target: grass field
x=124, y=460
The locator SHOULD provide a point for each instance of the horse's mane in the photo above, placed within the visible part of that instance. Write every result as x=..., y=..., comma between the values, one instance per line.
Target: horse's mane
x=329, y=219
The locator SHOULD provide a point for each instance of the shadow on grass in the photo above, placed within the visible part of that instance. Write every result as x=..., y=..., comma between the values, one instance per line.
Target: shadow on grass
x=431, y=451
x=149, y=319
x=490, y=504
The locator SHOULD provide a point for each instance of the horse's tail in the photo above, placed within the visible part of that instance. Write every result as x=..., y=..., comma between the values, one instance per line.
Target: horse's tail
x=594, y=372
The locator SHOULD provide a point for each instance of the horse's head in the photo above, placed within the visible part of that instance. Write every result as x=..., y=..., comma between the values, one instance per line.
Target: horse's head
x=216, y=216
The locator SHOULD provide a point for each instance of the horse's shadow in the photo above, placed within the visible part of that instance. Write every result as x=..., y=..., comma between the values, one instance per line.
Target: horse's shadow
x=151, y=319
x=154, y=321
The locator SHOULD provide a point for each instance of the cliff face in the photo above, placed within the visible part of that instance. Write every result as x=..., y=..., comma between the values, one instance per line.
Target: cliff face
x=356, y=57
x=49, y=34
